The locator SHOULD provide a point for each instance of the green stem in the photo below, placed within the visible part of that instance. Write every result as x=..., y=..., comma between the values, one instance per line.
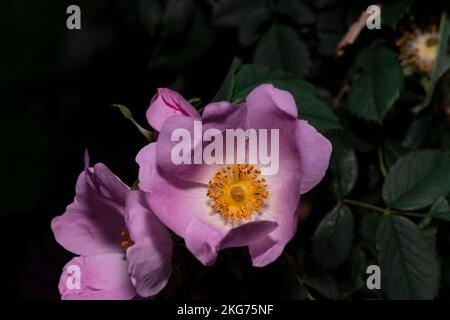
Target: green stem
x=364, y=205
x=383, y=210
x=381, y=161
x=410, y=214
x=302, y=283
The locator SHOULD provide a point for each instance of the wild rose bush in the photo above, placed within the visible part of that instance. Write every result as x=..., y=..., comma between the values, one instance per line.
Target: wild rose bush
x=363, y=182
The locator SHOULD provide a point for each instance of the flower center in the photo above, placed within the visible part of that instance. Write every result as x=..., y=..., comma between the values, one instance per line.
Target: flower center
x=237, y=191
x=427, y=46
x=419, y=50
x=126, y=241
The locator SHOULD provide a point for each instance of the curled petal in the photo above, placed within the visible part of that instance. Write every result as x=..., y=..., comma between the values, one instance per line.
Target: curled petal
x=100, y=180
x=146, y=159
x=204, y=240
x=165, y=104
x=315, y=153
x=92, y=224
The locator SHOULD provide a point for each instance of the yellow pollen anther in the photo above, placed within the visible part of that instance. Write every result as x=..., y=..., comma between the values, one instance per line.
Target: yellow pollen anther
x=237, y=191
x=126, y=241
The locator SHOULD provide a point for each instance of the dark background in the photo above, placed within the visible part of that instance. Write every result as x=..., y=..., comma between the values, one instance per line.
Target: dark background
x=57, y=86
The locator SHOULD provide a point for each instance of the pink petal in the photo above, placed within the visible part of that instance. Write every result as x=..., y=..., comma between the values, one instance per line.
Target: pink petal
x=165, y=104
x=101, y=277
x=315, y=152
x=190, y=172
x=150, y=258
x=284, y=194
x=146, y=159
x=184, y=208
x=271, y=108
x=266, y=99
x=204, y=240
x=92, y=224
x=102, y=181
x=220, y=116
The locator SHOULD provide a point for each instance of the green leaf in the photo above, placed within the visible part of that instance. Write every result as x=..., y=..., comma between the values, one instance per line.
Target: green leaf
x=295, y=10
x=367, y=229
x=310, y=108
x=179, y=55
x=417, y=180
x=333, y=238
x=391, y=13
x=343, y=170
x=250, y=76
x=325, y=3
x=347, y=136
x=316, y=112
x=358, y=268
x=328, y=42
x=225, y=92
x=418, y=132
x=232, y=13
x=127, y=114
x=177, y=16
x=150, y=14
x=409, y=268
x=392, y=150
x=440, y=209
x=323, y=284
x=442, y=63
x=332, y=21
x=315, y=276
x=281, y=48
x=249, y=30
x=378, y=86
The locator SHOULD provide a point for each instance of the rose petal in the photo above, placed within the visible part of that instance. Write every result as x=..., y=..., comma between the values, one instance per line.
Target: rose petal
x=92, y=224
x=219, y=116
x=315, y=152
x=146, y=159
x=270, y=108
x=165, y=104
x=102, y=181
x=284, y=194
x=101, y=277
x=204, y=240
x=150, y=257
x=184, y=208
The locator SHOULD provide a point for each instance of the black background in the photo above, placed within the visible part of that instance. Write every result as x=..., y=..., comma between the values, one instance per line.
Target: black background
x=57, y=85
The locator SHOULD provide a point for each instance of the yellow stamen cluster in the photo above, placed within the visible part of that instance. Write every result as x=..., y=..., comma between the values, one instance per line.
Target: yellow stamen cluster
x=237, y=191
x=126, y=241
x=418, y=49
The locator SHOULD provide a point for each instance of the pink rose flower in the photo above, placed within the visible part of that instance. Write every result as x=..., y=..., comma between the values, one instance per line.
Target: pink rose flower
x=122, y=248
x=219, y=206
